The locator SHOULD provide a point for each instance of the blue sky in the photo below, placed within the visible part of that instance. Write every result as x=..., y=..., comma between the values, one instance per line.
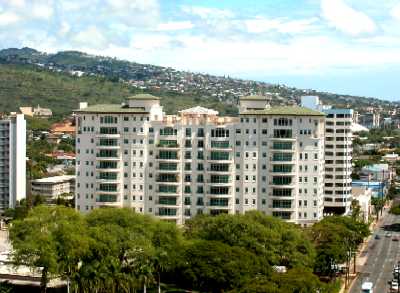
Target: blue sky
x=343, y=46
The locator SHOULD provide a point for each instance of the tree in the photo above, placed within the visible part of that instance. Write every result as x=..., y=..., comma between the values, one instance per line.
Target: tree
x=276, y=242
x=335, y=239
x=120, y=254
x=168, y=243
x=378, y=204
x=212, y=266
x=51, y=239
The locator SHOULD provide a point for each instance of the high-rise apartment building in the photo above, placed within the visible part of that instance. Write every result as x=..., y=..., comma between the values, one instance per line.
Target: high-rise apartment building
x=176, y=166
x=338, y=156
x=12, y=160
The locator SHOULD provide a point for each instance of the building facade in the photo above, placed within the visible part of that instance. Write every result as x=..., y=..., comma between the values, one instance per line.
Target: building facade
x=338, y=156
x=12, y=160
x=338, y=161
x=177, y=166
x=52, y=187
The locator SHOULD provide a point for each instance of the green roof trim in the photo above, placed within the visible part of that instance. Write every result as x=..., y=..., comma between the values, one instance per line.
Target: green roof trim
x=111, y=108
x=255, y=98
x=143, y=97
x=286, y=111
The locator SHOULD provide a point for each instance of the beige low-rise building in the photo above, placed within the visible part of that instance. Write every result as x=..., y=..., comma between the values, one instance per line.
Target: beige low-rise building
x=52, y=187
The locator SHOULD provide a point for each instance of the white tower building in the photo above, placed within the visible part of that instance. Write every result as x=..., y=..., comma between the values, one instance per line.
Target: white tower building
x=176, y=166
x=12, y=160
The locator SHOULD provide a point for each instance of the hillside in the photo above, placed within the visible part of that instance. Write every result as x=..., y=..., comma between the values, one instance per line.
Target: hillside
x=22, y=85
x=30, y=77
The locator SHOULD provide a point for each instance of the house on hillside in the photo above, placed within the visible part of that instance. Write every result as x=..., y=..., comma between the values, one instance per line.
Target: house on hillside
x=36, y=112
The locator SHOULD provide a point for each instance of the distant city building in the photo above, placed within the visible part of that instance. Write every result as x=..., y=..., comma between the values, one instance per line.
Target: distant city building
x=369, y=119
x=12, y=160
x=52, y=187
x=176, y=166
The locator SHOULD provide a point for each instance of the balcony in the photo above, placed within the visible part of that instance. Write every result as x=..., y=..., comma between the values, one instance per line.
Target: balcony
x=167, y=213
x=107, y=200
x=175, y=180
x=169, y=145
x=109, y=147
x=167, y=158
x=167, y=201
x=108, y=135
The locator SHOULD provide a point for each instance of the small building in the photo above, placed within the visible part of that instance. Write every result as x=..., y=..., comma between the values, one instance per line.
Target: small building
x=65, y=127
x=378, y=189
x=391, y=158
x=42, y=112
x=36, y=112
x=52, y=187
x=363, y=195
x=376, y=172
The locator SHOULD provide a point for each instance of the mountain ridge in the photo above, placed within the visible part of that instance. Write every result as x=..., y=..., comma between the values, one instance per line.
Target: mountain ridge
x=167, y=81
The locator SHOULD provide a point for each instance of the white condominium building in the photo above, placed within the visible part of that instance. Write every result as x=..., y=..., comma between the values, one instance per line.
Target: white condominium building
x=12, y=160
x=338, y=156
x=338, y=161
x=176, y=166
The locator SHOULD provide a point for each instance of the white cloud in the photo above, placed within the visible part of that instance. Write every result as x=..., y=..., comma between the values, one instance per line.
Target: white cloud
x=17, y=3
x=207, y=12
x=262, y=25
x=395, y=12
x=42, y=10
x=64, y=28
x=90, y=37
x=346, y=19
x=175, y=26
x=9, y=18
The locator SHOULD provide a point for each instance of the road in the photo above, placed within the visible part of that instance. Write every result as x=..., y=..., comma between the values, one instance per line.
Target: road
x=381, y=255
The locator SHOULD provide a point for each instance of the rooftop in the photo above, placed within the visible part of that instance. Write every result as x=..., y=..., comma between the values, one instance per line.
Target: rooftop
x=285, y=110
x=255, y=98
x=110, y=108
x=376, y=168
x=54, y=179
x=198, y=110
x=143, y=97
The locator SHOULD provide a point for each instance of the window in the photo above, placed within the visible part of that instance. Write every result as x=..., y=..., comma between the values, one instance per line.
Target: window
x=108, y=120
x=200, y=132
x=283, y=122
x=220, y=132
x=168, y=131
x=282, y=133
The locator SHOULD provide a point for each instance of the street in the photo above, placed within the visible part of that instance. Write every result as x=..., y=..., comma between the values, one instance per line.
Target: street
x=381, y=256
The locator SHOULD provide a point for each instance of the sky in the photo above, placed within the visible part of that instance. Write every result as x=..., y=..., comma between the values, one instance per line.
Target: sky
x=342, y=46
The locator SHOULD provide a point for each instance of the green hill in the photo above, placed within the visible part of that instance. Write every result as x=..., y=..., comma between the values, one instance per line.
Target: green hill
x=28, y=85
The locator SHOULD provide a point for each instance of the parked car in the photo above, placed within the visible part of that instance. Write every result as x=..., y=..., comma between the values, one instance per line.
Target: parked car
x=394, y=286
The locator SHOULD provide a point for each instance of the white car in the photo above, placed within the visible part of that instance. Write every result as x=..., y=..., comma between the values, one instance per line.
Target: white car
x=367, y=287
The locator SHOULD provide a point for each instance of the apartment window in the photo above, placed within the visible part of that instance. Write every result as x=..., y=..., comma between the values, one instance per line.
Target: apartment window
x=200, y=132
x=188, y=132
